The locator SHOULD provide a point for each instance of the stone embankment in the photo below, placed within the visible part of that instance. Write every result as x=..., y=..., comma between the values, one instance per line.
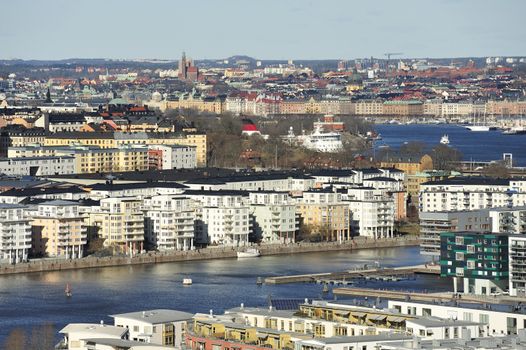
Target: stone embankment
x=44, y=265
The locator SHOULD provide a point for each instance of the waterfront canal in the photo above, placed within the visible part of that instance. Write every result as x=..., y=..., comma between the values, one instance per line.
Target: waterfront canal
x=30, y=300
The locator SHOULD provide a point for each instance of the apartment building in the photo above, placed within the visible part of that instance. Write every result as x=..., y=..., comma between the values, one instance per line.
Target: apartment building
x=508, y=220
x=403, y=108
x=164, y=157
x=325, y=212
x=120, y=222
x=468, y=193
x=169, y=222
x=372, y=212
x=155, y=327
x=409, y=166
x=15, y=233
x=517, y=265
x=274, y=217
x=38, y=166
x=369, y=107
x=432, y=224
x=480, y=259
x=497, y=321
x=90, y=159
x=58, y=230
x=117, y=139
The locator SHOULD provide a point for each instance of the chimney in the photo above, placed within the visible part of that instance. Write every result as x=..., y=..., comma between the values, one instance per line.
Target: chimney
x=144, y=314
x=211, y=313
x=102, y=323
x=242, y=306
x=270, y=308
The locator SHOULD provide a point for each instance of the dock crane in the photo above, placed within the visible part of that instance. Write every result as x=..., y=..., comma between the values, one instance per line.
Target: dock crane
x=389, y=54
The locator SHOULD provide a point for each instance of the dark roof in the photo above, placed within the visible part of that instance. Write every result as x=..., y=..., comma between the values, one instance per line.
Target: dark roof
x=216, y=192
x=381, y=178
x=66, y=118
x=35, y=191
x=370, y=171
x=469, y=181
x=332, y=172
x=129, y=186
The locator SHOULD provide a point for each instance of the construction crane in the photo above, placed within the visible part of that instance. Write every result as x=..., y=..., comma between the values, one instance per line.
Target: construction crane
x=389, y=54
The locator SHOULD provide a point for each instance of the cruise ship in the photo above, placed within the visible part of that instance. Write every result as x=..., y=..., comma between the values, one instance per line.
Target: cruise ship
x=320, y=141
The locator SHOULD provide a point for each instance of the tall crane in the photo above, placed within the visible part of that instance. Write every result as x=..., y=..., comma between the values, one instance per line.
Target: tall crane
x=389, y=54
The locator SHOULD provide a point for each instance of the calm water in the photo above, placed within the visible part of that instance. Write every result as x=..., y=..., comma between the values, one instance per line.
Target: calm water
x=477, y=146
x=35, y=299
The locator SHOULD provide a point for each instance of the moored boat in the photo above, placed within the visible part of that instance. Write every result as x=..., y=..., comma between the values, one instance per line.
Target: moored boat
x=248, y=253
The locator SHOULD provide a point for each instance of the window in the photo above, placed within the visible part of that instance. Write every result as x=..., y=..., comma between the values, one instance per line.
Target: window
x=471, y=264
x=459, y=240
x=459, y=256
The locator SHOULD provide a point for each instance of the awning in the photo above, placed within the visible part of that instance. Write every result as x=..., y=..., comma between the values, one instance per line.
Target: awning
x=359, y=314
x=342, y=313
x=395, y=319
x=377, y=317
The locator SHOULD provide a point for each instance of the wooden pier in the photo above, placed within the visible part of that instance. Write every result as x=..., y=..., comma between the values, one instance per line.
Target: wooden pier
x=346, y=276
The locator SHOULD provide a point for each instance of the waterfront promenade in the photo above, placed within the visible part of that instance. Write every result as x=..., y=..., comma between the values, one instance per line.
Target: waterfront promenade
x=201, y=254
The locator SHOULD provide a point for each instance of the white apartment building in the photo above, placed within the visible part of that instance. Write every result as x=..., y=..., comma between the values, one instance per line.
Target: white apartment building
x=156, y=327
x=38, y=166
x=497, y=321
x=508, y=220
x=228, y=226
x=15, y=233
x=176, y=156
x=464, y=193
x=517, y=265
x=120, y=222
x=77, y=336
x=274, y=217
x=169, y=222
x=263, y=182
x=372, y=212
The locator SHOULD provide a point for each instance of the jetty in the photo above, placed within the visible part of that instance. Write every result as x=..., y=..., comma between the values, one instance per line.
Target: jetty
x=345, y=277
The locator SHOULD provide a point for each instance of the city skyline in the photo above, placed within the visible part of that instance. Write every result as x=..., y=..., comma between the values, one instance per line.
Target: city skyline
x=206, y=29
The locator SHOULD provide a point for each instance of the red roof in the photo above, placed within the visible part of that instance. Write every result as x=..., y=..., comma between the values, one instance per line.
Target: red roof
x=249, y=127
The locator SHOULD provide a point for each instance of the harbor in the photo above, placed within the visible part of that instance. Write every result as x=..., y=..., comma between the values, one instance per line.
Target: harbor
x=38, y=298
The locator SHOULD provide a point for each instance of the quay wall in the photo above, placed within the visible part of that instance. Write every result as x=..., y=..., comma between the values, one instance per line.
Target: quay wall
x=44, y=265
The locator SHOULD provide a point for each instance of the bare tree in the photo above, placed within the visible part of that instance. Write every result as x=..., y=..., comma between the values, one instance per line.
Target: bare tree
x=497, y=170
x=445, y=157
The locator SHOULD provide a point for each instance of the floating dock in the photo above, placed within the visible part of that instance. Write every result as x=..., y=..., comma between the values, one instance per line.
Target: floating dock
x=347, y=276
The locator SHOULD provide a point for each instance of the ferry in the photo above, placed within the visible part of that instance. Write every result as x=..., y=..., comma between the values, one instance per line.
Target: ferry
x=322, y=141
x=187, y=281
x=248, y=253
x=444, y=140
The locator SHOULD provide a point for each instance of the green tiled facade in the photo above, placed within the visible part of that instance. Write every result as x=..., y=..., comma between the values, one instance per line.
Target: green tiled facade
x=474, y=255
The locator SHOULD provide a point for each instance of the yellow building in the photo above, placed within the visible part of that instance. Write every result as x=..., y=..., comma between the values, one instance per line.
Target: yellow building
x=211, y=105
x=120, y=222
x=240, y=333
x=17, y=136
x=118, y=139
x=325, y=214
x=410, y=166
x=58, y=230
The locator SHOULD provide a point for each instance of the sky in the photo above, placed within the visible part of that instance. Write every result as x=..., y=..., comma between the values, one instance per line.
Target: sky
x=264, y=29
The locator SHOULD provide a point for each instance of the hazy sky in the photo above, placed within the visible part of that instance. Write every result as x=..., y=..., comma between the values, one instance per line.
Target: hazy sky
x=267, y=29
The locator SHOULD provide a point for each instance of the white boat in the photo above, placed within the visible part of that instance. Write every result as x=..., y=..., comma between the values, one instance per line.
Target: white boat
x=444, y=140
x=187, y=281
x=322, y=141
x=248, y=253
x=478, y=128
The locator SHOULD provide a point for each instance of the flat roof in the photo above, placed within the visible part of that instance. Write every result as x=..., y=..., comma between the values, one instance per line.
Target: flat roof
x=156, y=316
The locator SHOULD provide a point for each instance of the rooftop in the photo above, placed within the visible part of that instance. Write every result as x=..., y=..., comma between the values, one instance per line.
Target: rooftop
x=156, y=316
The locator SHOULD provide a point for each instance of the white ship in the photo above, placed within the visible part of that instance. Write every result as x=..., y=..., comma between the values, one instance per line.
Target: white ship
x=478, y=127
x=444, y=140
x=321, y=141
x=248, y=253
